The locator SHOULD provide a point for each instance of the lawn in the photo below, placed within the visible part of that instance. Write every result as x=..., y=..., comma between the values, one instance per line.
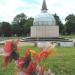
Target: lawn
x=68, y=36
x=61, y=63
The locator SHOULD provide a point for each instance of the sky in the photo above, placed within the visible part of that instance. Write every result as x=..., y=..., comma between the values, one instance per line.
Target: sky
x=10, y=8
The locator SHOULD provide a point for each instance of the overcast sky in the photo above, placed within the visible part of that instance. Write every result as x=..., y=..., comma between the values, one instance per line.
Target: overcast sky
x=10, y=8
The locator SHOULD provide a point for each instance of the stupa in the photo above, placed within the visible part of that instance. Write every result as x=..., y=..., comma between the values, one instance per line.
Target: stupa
x=45, y=30
x=44, y=25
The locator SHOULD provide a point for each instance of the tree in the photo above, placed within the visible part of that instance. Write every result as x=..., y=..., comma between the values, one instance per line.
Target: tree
x=6, y=29
x=70, y=24
x=18, y=24
x=27, y=25
x=59, y=23
x=20, y=18
x=0, y=29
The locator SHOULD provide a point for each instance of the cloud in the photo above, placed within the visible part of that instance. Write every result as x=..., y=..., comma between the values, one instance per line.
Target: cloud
x=10, y=8
x=62, y=7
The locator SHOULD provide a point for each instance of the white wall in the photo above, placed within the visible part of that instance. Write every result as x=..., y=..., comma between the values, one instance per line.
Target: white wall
x=66, y=44
x=44, y=31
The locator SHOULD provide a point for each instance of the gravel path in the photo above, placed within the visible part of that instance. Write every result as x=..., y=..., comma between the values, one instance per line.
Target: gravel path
x=21, y=44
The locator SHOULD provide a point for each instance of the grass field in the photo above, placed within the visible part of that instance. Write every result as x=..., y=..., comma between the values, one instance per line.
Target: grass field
x=61, y=63
x=68, y=36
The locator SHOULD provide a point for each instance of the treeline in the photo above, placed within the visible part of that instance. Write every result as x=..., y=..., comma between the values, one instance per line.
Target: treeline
x=20, y=25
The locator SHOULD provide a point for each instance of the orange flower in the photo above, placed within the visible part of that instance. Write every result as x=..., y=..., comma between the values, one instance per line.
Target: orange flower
x=33, y=53
x=51, y=52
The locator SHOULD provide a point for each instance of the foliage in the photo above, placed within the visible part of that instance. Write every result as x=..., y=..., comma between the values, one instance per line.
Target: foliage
x=68, y=36
x=70, y=24
x=0, y=29
x=10, y=51
x=59, y=23
x=18, y=24
x=27, y=25
x=21, y=25
x=6, y=29
x=20, y=18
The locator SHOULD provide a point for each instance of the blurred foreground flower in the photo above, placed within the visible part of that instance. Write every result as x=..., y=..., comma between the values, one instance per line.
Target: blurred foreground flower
x=45, y=53
x=31, y=68
x=33, y=53
x=10, y=51
x=8, y=46
x=21, y=63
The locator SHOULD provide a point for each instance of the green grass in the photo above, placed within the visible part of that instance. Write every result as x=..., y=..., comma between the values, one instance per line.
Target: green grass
x=68, y=36
x=61, y=63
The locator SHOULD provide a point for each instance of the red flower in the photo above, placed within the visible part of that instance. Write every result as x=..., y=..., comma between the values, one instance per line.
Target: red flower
x=34, y=66
x=30, y=68
x=38, y=58
x=44, y=54
x=27, y=53
x=21, y=62
x=8, y=46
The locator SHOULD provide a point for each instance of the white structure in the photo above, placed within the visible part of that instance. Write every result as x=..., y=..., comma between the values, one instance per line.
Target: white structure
x=44, y=24
x=66, y=44
x=42, y=44
x=45, y=44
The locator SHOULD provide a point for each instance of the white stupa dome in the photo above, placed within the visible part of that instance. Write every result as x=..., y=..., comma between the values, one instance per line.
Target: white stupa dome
x=44, y=18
